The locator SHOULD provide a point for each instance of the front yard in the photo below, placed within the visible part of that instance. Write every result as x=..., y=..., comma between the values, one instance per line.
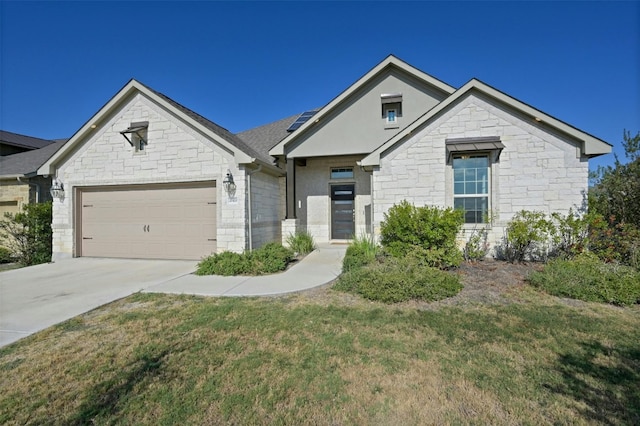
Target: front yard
x=498, y=353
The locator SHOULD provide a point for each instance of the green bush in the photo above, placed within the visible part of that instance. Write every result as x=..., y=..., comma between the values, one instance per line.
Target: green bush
x=225, y=263
x=430, y=231
x=6, y=256
x=268, y=259
x=399, y=279
x=588, y=278
x=28, y=234
x=301, y=242
x=476, y=247
x=615, y=242
x=528, y=237
x=362, y=251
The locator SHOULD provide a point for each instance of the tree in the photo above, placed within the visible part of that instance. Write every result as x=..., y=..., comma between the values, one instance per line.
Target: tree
x=28, y=234
x=616, y=193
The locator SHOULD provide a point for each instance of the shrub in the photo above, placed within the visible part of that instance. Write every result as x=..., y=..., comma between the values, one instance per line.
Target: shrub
x=268, y=259
x=28, y=234
x=615, y=242
x=6, y=256
x=301, y=242
x=528, y=237
x=476, y=247
x=588, y=278
x=225, y=263
x=570, y=233
x=431, y=231
x=398, y=280
x=362, y=251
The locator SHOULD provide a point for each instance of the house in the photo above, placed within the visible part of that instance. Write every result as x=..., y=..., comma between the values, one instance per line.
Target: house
x=19, y=181
x=146, y=177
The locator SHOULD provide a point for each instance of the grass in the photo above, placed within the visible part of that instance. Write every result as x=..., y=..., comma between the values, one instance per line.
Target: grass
x=161, y=359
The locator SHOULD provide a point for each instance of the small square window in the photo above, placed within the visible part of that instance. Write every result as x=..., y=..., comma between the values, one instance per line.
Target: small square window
x=342, y=173
x=391, y=116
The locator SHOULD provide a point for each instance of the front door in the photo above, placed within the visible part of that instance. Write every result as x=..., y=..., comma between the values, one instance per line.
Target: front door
x=342, y=212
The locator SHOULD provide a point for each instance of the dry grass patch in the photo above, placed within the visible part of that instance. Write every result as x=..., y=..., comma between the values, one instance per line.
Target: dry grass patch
x=154, y=359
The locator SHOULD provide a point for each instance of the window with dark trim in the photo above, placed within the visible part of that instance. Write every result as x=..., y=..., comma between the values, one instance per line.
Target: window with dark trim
x=342, y=173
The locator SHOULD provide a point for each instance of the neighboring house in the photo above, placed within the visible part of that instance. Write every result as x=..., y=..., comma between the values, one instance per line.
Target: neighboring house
x=19, y=182
x=395, y=134
x=13, y=143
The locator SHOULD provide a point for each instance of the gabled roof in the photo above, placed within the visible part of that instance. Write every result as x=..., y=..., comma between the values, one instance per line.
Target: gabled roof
x=242, y=151
x=266, y=136
x=389, y=62
x=590, y=145
x=23, y=141
x=26, y=164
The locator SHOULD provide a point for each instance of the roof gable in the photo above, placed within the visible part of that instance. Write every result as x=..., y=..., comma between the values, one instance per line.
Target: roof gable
x=590, y=145
x=22, y=141
x=241, y=150
x=391, y=62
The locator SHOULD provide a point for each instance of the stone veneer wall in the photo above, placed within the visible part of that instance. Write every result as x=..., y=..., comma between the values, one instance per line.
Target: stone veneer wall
x=175, y=153
x=12, y=191
x=537, y=170
x=313, y=199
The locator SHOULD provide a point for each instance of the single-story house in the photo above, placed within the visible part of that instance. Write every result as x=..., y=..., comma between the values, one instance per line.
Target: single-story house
x=146, y=177
x=19, y=181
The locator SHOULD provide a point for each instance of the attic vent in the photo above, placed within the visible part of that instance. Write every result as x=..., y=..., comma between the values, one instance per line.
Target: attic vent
x=303, y=118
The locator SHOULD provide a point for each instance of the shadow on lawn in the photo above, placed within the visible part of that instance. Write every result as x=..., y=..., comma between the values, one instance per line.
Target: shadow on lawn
x=104, y=398
x=606, y=379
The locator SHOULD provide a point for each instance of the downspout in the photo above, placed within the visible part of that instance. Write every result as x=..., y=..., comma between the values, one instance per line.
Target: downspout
x=249, y=205
x=36, y=185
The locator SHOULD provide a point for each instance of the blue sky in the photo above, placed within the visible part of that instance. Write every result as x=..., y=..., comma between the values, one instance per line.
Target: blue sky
x=244, y=64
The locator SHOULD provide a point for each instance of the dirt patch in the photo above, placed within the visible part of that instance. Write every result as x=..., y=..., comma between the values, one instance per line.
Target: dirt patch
x=487, y=282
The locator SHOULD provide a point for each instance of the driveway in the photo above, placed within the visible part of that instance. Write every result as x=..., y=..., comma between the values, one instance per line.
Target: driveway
x=37, y=297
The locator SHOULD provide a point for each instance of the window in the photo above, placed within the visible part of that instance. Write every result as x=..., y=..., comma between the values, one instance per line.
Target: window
x=137, y=135
x=391, y=116
x=342, y=173
x=471, y=186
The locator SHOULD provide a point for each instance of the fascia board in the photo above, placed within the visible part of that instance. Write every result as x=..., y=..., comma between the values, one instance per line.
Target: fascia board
x=390, y=60
x=132, y=86
x=591, y=146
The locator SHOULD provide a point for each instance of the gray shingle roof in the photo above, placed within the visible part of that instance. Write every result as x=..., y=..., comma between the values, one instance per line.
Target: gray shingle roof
x=267, y=136
x=249, y=149
x=15, y=139
x=26, y=163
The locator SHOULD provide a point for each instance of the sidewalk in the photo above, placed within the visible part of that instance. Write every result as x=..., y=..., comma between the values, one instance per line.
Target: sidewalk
x=319, y=267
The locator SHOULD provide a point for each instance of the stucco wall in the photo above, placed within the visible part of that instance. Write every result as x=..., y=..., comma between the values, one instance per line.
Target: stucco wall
x=357, y=126
x=313, y=200
x=175, y=153
x=266, y=209
x=537, y=170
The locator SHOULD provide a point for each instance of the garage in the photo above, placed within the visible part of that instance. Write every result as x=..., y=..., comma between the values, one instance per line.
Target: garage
x=162, y=221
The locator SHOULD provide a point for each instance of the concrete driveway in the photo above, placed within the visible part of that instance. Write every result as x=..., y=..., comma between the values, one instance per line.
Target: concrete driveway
x=37, y=297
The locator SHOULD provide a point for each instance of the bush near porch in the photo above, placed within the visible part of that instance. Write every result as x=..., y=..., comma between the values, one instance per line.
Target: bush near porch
x=268, y=259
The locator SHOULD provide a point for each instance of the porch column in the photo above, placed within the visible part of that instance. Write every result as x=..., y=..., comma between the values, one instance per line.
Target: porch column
x=291, y=188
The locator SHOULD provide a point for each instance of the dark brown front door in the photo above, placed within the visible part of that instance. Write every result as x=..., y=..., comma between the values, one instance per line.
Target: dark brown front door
x=342, y=212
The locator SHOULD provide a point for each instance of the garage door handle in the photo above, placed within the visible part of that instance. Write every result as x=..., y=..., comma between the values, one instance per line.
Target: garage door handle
x=145, y=228
x=87, y=238
x=211, y=239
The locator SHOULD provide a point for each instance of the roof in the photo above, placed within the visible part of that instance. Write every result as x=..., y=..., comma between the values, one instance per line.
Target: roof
x=267, y=136
x=389, y=62
x=243, y=152
x=591, y=146
x=27, y=163
x=29, y=142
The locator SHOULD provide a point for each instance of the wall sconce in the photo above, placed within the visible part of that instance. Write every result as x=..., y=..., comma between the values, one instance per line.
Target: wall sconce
x=229, y=185
x=57, y=189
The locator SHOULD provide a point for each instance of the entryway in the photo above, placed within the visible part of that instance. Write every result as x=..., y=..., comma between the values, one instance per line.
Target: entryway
x=342, y=212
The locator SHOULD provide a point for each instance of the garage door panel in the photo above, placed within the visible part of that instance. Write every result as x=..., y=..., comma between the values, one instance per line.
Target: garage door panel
x=163, y=222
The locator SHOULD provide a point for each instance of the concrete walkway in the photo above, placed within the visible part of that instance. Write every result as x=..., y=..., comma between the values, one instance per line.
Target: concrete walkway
x=319, y=267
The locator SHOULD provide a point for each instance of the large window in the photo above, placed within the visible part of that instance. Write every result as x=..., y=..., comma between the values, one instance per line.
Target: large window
x=471, y=187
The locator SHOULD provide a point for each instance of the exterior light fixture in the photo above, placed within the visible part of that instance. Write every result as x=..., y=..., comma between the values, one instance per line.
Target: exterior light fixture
x=229, y=185
x=57, y=190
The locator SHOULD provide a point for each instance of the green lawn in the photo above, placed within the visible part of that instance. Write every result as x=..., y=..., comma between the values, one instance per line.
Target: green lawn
x=160, y=359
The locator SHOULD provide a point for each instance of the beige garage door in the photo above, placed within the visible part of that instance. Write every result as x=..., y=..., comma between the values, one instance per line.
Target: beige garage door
x=148, y=222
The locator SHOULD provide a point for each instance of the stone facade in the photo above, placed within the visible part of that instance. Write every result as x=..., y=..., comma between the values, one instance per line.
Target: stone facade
x=13, y=195
x=175, y=153
x=537, y=170
x=266, y=210
x=313, y=200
